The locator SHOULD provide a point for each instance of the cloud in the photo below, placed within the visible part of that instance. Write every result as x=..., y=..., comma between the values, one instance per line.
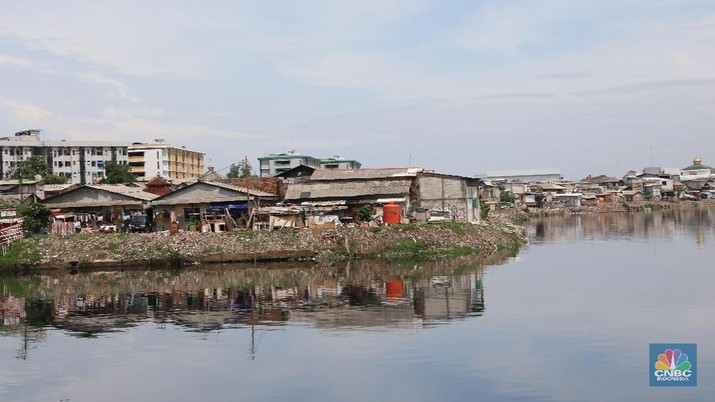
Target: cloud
x=567, y=75
x=7, y=60
x=378, y=81
x=121, y=89
x=24, y=111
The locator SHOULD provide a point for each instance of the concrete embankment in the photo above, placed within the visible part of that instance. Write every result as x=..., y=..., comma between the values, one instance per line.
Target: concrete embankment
x=325, y=246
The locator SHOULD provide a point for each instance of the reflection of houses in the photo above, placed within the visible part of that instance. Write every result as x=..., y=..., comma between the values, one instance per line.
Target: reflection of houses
x=201, y=300
x=445, y=297
x=205, y=206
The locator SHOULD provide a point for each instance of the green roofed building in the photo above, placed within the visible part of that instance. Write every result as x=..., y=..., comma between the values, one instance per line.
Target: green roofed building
x=278, y=163
x=697, y=171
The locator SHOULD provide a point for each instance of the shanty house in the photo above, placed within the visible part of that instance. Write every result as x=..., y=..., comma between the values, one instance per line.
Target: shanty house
x=99, y=204
x=417, y=192
x=352, y=189
x=209, y=206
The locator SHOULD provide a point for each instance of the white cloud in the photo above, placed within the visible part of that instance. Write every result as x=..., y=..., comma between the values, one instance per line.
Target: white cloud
x=432, y=70
x=121, y=88
x=23, y=111
x=8, y=60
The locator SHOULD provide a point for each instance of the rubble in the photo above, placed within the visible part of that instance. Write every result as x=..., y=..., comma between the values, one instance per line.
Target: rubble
x=322, y=246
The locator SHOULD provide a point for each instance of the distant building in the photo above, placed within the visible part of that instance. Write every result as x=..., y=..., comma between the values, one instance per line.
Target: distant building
x=697, y=171
x=159, y=159
x=526, y=176
x=82, y=162
x=338, y=162
x=661, y=172
x=278, y=163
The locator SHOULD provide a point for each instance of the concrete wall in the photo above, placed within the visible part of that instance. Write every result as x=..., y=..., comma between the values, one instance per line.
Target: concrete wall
x=445, y=193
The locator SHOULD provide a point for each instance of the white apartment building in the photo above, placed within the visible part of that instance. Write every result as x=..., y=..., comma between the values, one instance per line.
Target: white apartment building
x=159, y=159
x=82, y=162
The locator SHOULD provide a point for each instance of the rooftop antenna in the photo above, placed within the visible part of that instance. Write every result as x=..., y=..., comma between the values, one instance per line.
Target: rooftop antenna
x=651, y=155
x=410, y=164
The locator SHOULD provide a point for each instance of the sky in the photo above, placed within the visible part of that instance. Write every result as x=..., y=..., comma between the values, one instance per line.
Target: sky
x=458, y=87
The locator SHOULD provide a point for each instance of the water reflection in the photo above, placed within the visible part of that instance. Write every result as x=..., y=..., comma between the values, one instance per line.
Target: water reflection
x=696, y=223
x=358, y=296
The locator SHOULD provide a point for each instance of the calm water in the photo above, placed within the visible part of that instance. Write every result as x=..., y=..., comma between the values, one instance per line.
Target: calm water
x=569, y=319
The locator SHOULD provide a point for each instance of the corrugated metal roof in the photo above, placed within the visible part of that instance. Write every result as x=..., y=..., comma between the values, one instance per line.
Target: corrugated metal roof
x=307, y=191
x=121, y=189
x=369, y=173
x=548, y=186
x=189, y=195
x=244, y=190
x=58, y=187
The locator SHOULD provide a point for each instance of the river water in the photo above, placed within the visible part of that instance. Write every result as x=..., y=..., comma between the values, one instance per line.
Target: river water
x=570, y=318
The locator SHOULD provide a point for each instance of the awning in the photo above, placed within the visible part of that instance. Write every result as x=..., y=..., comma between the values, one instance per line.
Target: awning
x=327, y=203
x=386, y=200
x=230, y=205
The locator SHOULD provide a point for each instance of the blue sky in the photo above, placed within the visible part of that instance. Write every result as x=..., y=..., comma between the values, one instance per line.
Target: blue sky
x=457, y=87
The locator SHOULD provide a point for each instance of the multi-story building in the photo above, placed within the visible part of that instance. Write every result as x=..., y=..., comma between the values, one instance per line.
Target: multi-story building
x=277, y=163
x=159, y=159
x=82, y=162
x=338, y=162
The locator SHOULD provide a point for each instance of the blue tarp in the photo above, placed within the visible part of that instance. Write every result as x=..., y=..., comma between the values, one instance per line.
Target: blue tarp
x=230, y=205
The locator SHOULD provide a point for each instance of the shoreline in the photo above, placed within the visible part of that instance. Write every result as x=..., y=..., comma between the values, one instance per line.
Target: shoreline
x=323, y=247
x=118, y=251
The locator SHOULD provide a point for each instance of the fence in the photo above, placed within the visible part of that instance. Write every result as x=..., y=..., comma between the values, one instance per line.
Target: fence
x=9, y=235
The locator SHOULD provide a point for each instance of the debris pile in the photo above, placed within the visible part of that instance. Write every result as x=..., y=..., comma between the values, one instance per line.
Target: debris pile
x=324, y=245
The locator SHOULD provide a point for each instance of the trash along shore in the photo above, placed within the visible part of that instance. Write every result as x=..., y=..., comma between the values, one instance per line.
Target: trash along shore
x=321, y=246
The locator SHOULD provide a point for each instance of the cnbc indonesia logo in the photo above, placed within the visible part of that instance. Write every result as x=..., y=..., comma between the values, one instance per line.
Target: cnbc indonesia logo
x=673, y=366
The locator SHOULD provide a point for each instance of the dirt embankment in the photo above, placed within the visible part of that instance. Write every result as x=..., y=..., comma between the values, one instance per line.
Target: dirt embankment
x=322, y=246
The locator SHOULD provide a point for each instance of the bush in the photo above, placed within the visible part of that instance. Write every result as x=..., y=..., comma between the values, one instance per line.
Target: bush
x=35, y=216
x=365, y=213
x=507, y=197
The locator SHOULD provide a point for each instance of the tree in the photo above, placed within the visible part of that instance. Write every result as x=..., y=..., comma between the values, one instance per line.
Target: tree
x=35, y=216
x=246, y=169
x=233, y=171
x=29, y=168
x=118, y=173
x=55, y=179
x=240, y=170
